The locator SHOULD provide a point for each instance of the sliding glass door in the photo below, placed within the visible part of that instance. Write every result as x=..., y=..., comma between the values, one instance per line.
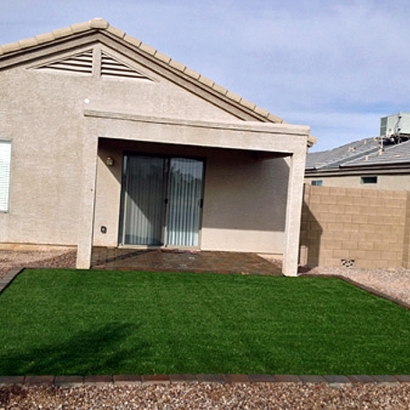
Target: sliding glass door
x=161, y=201
x=185, y=202
x=144, y=187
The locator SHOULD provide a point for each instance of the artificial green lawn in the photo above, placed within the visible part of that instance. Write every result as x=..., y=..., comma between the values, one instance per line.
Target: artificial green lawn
x=70, y=322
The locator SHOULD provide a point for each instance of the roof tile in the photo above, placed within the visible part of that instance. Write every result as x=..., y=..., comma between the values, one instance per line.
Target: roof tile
x=274, y=118
x=220, y=89
x=98, y=23
x=8, y=48
x=148, y=49
x=192, y=73
x=28, y=42
x=248, y=104
x=44, y=38
x=234, y=96
x=79, y=27
x=393, y=153
x=177, y=65
x=116, y=31
x=132, y=40
x=206, y=81
x=162, y=57
x=62, y=32
x=261, y=111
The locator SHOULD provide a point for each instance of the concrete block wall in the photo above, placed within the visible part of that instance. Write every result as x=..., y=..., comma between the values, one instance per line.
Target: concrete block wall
x=365, y=228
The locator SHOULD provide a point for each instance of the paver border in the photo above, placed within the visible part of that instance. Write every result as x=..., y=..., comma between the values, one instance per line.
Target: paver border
x=228, y=379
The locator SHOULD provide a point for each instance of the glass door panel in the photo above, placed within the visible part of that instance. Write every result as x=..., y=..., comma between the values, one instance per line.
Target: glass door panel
x=185, y=202
x=144, y=188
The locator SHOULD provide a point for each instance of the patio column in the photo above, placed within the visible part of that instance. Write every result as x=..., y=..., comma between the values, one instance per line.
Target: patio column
x=294, y=212
x=87, y=203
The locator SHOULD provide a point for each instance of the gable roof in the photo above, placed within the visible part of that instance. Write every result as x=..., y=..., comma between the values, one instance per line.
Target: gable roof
x=368, y=152
x=99, y=25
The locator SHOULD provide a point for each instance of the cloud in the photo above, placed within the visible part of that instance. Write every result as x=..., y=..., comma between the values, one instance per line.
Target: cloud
x=337, y=66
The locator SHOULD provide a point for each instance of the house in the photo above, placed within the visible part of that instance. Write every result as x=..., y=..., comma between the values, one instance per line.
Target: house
x=382, y=162
x=104, y=141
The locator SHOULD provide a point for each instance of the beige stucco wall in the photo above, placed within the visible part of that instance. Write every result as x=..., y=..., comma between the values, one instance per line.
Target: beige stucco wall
x=42, y=113
x=244, y=197
x=398, y=182
x=245, y=204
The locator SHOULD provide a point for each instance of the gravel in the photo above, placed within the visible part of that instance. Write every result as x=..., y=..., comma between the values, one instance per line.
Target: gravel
x=395, y=283
x=208, y=396
x=36, y=259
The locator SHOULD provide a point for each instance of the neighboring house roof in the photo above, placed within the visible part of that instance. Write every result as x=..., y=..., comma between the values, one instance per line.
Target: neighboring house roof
x=392, y=154
x=102, y=26
x=335, y=157
x=368, y=152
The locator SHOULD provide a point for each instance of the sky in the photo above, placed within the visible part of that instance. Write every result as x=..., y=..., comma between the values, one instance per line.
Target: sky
x=337, y=66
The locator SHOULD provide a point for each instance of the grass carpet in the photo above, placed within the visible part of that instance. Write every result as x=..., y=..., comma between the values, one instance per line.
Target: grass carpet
x=67, y=322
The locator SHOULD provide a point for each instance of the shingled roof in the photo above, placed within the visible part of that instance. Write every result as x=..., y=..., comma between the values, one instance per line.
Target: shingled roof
x=102, y=25
x=336, y=157
x=391, y=154
x=368, y=152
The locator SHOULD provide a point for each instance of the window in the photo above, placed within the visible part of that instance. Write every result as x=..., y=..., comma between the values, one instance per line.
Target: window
x=317, y=182
x=5, y=156
x=368, y=180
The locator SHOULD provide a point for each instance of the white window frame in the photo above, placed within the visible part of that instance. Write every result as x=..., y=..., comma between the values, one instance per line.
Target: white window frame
x=5, y=165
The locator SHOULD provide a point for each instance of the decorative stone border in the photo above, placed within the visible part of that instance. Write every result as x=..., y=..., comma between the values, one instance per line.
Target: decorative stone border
x=144, y=380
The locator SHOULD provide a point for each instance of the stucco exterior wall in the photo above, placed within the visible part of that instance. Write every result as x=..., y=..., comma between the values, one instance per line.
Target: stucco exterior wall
x=244, y=197
x=42, y=114
x=245, y=204
x=393, y=182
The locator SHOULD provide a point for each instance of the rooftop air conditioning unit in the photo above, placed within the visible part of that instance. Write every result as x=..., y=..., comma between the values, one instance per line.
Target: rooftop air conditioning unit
x=395, y=126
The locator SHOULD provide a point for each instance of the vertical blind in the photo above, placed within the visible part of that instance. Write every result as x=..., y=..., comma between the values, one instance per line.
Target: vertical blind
x=5, y=158
x=144, y=201
x=185, y=193
x=161, y=195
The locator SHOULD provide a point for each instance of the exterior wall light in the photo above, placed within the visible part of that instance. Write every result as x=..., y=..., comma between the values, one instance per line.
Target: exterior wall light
x=109, y=161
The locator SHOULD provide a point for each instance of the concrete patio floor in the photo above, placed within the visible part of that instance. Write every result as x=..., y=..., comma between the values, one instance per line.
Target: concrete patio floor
x=177, y=261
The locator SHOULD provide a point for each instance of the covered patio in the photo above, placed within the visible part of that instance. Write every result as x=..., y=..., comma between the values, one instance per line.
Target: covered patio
x=252, y=189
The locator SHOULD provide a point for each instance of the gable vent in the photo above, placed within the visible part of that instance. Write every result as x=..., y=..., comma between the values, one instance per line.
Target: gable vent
x=114, y=68
x=81, y=63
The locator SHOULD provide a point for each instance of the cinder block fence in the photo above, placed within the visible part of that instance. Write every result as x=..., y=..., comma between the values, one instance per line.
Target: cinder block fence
x=365, y=228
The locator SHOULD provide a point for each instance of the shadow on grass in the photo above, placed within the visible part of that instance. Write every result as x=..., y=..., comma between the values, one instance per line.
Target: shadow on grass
x=100, y=351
